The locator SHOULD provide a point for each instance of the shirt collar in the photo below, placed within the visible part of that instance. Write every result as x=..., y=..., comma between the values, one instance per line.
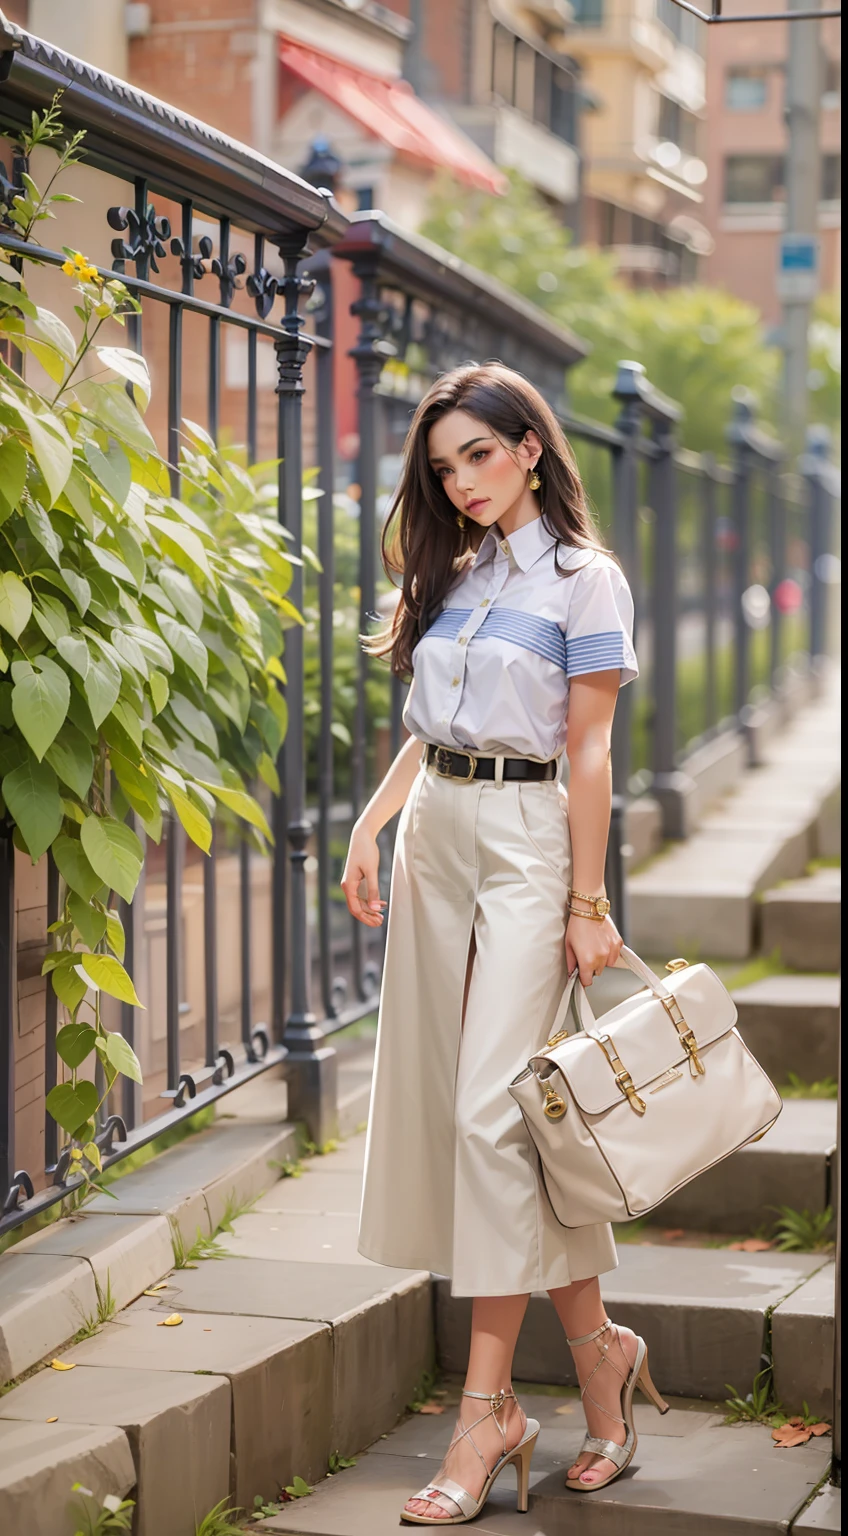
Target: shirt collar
x=526, y=545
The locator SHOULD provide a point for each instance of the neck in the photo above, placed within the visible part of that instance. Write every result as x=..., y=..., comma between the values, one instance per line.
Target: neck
x=525, y=510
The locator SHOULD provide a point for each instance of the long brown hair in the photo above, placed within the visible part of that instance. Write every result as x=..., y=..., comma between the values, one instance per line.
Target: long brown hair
x=422, y=543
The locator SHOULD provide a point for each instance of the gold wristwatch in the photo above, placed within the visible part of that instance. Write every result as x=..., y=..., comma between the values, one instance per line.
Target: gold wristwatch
x=599, y=905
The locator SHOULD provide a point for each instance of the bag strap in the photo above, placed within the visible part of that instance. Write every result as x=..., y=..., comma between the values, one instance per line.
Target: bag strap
x=574, y=988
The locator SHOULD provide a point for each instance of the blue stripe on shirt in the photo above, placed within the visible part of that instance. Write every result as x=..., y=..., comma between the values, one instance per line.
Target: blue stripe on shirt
x=594, y=653
x=541, y=636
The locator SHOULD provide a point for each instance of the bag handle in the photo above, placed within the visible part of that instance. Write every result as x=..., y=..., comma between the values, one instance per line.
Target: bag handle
x=628, y=960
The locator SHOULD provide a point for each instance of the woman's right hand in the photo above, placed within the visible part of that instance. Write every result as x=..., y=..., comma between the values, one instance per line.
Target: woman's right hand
x=362, y=867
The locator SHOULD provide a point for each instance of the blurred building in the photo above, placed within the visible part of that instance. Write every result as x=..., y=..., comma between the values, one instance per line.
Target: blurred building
x=746, y=154
x=599, y=103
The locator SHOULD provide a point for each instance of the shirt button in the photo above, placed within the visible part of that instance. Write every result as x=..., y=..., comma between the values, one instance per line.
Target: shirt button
x=485, y=603
x=504, y=546
x=463, y=639
x=455, y=683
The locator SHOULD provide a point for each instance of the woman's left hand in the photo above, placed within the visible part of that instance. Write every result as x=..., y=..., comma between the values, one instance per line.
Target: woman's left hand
x=591, y=946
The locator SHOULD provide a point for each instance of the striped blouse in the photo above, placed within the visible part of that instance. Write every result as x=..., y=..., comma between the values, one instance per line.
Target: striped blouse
x=491, y=674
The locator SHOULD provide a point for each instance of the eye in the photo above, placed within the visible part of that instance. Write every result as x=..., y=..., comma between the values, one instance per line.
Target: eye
x=479, y=454
x=440, y=473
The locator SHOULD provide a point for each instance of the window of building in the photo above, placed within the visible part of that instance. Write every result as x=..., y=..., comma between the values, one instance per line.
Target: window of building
x=588, y=13
x=832, y=94
x=754, y=179
x=745, y=90
x=503, y=64
x=677, y=126
x=831, y=178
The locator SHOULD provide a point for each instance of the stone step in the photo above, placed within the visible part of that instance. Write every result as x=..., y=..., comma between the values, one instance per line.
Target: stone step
x=791, y=1023
x=702, y=1312
x=790, y=1166
x=802, y=1343
x=39, y=1464
x=802, y=922
x=691, y=1476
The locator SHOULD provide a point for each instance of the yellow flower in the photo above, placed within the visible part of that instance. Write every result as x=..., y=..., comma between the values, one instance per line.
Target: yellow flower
x=68, y=266
x=79, y=266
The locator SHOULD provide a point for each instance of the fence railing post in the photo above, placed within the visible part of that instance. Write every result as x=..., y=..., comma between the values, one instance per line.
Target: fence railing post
x=669, y=785
x=738, y=437
x=311, y=1065
x=816, y=469
x=8, y=1011
x=778, y=516
x=709, y=550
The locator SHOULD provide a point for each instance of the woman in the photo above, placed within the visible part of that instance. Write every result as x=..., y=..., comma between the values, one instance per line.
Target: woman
x=516, y=626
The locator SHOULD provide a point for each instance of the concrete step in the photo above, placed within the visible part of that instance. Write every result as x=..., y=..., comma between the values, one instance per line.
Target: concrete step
x=791, y=1023
x=49, y=1281
x=691, y=1476
x=802, y=922
x=790, y=1166
x=823, y=1513
x=39, y=1463
x=702, y=1312
x=802, y=1343
x=278, y=1361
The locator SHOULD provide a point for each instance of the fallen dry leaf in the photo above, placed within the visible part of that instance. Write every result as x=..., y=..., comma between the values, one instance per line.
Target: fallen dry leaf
x=797, y=1421
x=750, y=1245
x=170, y=1322
x=54, y=1420
x=162, y=1286
x=566, y=1408
x=62, y=1365
x=788, y=1436
x=207, y=1330
x=432, y=1408
x=820, y=1429
x=672, y=1233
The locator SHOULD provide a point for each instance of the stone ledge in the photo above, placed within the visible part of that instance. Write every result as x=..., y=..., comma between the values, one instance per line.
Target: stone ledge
x=791, y=1023
x=39, y=1463
x=44, y=1299
x=802, y=1344
x=126, y=1253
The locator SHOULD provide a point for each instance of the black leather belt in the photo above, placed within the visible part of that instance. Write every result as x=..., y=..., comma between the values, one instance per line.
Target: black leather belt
x=465, y=765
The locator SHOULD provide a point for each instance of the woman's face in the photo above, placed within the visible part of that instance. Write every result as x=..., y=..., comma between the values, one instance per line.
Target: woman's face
x=482, y=477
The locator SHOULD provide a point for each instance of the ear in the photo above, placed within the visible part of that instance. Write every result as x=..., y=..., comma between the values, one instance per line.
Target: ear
x=530, y=446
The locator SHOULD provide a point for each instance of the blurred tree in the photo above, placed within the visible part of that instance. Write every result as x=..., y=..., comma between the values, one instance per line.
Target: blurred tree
x=826, y=361
x=696, y=343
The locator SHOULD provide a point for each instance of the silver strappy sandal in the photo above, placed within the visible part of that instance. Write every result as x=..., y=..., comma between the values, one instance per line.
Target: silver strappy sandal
x=639, y=1376
x=520, y=1456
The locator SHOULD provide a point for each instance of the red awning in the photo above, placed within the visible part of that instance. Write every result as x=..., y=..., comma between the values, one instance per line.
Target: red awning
x=391, y=111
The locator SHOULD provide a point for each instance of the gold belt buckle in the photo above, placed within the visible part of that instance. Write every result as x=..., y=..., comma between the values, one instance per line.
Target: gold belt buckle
x=442, y=764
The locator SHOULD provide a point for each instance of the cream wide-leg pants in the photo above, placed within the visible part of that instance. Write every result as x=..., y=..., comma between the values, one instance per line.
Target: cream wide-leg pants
x=451, y=1181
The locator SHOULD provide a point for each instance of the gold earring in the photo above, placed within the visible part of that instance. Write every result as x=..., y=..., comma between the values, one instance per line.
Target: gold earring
x=535, y=480
x=460, y=519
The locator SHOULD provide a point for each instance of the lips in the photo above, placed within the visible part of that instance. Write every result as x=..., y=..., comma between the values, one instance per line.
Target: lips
x=474, y=506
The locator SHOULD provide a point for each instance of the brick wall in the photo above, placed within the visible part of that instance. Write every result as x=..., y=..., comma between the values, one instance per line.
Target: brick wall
x=199, y=55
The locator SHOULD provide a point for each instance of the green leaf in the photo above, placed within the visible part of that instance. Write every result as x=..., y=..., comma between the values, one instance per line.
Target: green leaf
x=109, y=975
x=71, y=1104
x=91, y=1151
x=40, y=700
x=114, y=853
x=74, y=1043
x=102, y=685
x=153, y=646
x=183, y=594
x=52, y=449
x=198, y=826
x=31, y=794
x=89, y=922
x=139, y=789
x=70, y=988
x=195, y=721
x=51, y=616
x=159, y=691
x=73, y=650
x=15, y=604
x=74, y=867
x=43, y=531
x=266, y=768
x=111, y=407
x=182, y=544
x=130, y=365
x=119, y=1052
x=51, y=361
x=110, y=562
x=111, y=470
x=242, y=805
x=73, y=759
x=133, y=555
x=13, y=471
x=71, y=582
x=48, y=327
x=77, y=493
x=130, y=651
x=115, y=937
x=186, y=645
x=199, y=433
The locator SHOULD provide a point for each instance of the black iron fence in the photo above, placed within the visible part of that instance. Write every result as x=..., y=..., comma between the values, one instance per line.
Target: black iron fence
x=245, y=963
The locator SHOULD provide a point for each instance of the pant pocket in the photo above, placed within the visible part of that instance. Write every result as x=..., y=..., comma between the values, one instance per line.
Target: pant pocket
x=541, y=809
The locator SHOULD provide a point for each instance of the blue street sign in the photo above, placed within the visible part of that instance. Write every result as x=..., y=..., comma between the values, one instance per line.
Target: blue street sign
x=798, y=267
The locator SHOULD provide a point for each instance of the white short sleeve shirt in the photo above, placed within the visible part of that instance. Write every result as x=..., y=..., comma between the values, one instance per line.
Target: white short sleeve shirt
x=491, y=674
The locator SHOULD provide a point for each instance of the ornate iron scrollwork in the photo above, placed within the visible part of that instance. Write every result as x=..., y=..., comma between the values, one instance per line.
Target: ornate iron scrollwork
x=263, y=288
x=20, y=1190
x=193, y=262
x=228, y=269
x=147, y=236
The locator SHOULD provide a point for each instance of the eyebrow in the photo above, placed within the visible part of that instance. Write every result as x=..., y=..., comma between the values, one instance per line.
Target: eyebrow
x=462, y=448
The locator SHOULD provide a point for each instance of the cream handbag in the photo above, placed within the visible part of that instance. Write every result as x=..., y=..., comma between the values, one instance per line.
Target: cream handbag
x=639, y=1102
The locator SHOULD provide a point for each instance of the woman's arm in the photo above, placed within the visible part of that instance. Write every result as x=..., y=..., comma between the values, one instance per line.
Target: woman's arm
x=363, y=855
x=590, y=945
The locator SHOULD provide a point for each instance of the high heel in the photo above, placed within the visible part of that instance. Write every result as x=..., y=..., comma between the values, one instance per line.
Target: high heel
x=520, y=1457
x=638, y=1376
